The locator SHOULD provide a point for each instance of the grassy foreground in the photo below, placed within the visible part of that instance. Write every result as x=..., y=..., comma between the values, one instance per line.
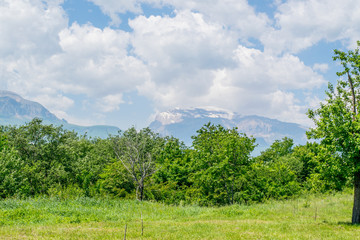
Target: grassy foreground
x=322, y=217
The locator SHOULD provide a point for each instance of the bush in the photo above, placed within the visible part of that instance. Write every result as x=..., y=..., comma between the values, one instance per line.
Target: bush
x=13, y=181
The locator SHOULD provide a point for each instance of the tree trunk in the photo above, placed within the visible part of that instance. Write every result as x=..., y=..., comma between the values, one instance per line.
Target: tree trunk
x=356, y=208
x=141, y=189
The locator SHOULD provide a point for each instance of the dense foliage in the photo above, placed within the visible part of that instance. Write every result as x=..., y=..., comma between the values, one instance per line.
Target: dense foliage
x=218, y=169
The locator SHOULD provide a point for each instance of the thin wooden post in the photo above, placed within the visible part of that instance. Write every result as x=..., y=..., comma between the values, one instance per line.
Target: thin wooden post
x=125, y=232
x=142, y=225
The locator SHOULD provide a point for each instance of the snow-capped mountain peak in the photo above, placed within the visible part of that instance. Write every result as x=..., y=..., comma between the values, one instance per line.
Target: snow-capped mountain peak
x=178, y=115
x=183, y=123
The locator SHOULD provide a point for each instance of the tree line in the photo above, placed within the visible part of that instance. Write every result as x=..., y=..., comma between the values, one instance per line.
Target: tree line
x=218, y=169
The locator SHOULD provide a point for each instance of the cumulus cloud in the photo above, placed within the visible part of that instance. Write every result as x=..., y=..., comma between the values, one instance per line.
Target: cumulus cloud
x=26, y=24
x=114, y=7
x=181, y=54
x=265, y=85
x=236, y=15
x=42, y=58
x=321, y=67
x=199, y=56
x=96, y=62
x=297, y=25
x=183, y=42
x=29, y=36
x=302, y=24
x=110, y=103
x=59, y=103
x=180, y=51
x=256, y=68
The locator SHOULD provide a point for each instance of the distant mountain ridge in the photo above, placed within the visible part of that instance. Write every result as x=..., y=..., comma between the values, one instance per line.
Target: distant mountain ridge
x=180, y=123
x=13, y=105
x=15, y=110
x=183, y=123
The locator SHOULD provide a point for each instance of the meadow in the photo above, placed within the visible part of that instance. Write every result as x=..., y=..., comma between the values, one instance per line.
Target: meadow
x=312, y=217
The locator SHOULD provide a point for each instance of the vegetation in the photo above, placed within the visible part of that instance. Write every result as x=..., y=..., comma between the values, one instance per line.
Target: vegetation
x=309, y=217
x=44, y=160
x=137, y=152
x=338, y=123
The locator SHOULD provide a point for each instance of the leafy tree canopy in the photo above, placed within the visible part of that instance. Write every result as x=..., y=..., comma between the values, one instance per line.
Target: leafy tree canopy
x=337, y=120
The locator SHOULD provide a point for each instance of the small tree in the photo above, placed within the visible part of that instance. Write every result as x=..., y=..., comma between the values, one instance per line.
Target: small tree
x=137, y=152
x=337, y=120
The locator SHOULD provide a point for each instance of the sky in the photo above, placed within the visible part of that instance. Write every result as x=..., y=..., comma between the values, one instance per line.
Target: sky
x=120, y=62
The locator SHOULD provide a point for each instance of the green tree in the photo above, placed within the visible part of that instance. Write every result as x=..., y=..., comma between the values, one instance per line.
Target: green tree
x=171, y=181
x=90, y=158
x=13, y=181
x=45, y=150
x=220, y=158
x=115, y=180
x=322, y=169
x=337, y=120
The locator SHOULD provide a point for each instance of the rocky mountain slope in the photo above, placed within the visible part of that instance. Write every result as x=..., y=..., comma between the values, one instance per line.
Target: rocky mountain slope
x=15, y=110
x=183, y=123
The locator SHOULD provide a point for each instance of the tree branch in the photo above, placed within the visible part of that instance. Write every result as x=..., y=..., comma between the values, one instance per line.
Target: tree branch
x=352, y=93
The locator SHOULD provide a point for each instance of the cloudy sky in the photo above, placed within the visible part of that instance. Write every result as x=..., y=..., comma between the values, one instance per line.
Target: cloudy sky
x=119, y=62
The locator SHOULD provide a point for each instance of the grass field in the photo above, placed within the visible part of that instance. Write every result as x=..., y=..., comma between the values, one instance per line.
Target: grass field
x=312, y=217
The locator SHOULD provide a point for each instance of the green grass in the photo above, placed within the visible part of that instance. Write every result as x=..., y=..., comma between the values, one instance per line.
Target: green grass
x=321, y=217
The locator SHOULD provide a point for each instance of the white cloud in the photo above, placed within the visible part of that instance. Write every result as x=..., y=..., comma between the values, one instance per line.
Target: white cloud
x=190, y=59
x=297, y=25
x=96, y=62
x=321, y=67
x=59, y=103
x=186, y=39
x=181, y=54
x=262, y=71
x=236, y=15
x=93, y=62
x=29, y=36
x=111, y=102
x=42, y=58
x=180, y=51
x=114, y=7
x=29, y=28
x=265, y=85
x=302, y=24
x=182, y=47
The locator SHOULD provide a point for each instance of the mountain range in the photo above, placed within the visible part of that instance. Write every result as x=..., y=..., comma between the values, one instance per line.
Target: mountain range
x=180, y=123
x=183, y=124
x=15, y=110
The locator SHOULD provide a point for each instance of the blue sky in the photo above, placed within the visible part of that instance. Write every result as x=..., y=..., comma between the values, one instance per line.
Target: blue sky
x=120, y=62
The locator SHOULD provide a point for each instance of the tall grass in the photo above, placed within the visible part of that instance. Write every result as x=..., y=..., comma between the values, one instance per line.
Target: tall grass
x=312, y=217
